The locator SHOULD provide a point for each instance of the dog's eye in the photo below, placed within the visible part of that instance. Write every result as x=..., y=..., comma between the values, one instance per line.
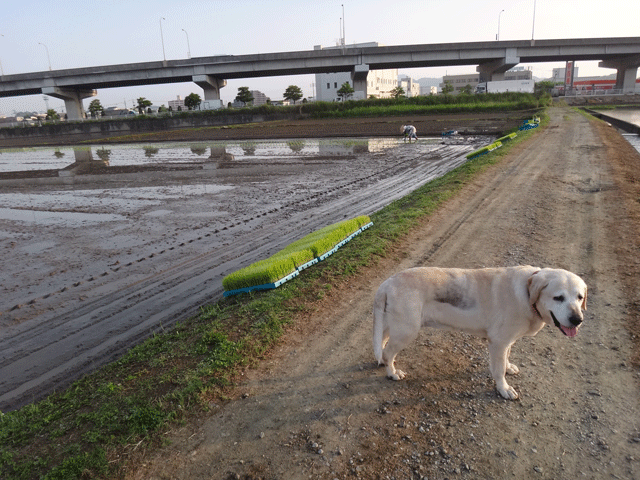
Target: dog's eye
x=580, y=297
x=559, y=298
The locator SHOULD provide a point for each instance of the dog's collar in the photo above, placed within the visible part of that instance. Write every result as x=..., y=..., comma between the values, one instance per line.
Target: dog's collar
x=534, y=307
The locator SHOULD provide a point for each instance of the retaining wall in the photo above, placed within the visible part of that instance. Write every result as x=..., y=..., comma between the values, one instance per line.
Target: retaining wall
x=93, y=129
x=616, y=122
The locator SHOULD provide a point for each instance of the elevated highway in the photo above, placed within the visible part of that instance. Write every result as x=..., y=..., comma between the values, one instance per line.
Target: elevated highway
x=211, y=73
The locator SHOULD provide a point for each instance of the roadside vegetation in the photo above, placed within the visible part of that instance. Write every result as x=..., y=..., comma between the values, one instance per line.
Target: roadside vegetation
x=104, y=422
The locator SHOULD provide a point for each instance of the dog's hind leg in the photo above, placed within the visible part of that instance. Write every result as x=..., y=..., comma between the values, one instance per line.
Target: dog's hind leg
x=498, y=365
x=392, y=348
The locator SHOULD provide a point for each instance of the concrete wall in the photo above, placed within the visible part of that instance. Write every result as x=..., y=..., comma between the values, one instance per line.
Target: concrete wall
x=616, y=122
x=107, y=128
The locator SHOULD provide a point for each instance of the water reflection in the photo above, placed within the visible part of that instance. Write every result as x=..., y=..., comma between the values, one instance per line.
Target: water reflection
x=103, y=154
x=150, y=151
x=85, y=163
x=249, y=149
x=198, y=150
x=159, y=156
x=297, y=146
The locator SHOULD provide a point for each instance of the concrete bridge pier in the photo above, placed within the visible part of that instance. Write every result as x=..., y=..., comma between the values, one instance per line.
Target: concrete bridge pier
x=72, y=99
x=627, y=70
x=211, y=86
x=494, y=71
x=359, y=78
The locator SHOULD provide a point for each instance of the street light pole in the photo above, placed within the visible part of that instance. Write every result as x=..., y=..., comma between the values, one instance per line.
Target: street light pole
x=498, y=35
x=1, y=70
x=48, y=57
x=164, y=57
x=533, y=28
x=344, y=40
x=188, y=47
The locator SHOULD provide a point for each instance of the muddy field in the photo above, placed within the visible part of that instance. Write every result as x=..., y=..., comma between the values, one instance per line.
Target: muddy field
x=109, y=254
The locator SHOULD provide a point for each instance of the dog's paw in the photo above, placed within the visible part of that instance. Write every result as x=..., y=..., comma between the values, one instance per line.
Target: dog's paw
x=397, y=375
x=509, y=393
x=512, y=369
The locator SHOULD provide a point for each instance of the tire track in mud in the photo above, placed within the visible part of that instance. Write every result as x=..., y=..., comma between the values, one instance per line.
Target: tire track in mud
x=40, y=356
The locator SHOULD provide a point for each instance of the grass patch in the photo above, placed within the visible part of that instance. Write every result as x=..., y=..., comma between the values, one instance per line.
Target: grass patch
x=99, y=425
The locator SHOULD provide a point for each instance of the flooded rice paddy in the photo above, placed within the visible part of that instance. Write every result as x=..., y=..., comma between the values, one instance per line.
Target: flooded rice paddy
x=103, y=245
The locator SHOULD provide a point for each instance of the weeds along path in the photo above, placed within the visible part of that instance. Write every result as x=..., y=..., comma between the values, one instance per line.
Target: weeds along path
x=77, y=329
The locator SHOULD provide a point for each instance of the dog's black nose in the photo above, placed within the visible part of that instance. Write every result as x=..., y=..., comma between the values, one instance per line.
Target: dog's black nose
x=575, y=320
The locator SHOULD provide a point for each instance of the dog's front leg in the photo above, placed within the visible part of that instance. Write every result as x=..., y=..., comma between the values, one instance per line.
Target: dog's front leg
x=512, y=369
x=498, y=362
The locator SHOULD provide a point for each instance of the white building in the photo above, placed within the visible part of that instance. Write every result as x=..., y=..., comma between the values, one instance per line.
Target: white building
x=379, y=83
x=177, y=104
x=410, y=86
x=259, y=98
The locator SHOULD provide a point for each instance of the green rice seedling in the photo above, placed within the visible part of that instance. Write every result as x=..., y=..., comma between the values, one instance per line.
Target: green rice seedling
x=259, y=273
x=506, y=138
x=294, y=256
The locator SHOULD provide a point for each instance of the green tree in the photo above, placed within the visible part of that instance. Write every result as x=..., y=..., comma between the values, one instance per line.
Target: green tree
x=95, y=108
x=244, y=95
x=448, y=88
x=468, y=89
x=397, y=92
x=52, y=114
x=540, y=88
x=345, y=91
x=192, y=101
x=143, y=104
x=293, y=92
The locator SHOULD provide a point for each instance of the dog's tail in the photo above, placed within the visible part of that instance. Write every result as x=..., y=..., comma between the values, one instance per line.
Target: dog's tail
x=379, y=324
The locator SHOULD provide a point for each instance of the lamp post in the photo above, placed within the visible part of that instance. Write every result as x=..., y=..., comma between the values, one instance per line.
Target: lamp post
x=533, y=28
x=164, y=57
x=344, y=40
x=48, y=57
x=188, y=47
x=1, y=70
x=498, y=34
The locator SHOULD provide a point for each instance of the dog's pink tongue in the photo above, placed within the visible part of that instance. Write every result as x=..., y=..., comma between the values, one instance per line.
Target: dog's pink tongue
x=570, y=332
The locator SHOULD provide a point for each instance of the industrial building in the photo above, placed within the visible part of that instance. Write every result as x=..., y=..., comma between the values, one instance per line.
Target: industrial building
x=459, y=82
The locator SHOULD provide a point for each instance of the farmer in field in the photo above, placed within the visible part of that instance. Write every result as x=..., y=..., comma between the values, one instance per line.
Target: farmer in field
x=409, y=131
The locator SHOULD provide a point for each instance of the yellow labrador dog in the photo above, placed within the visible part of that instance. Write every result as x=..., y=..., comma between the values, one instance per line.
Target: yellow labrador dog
x=499, y=304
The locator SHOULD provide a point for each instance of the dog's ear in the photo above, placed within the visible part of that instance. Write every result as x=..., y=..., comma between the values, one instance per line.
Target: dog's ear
x=536, y=283
x=584, y=300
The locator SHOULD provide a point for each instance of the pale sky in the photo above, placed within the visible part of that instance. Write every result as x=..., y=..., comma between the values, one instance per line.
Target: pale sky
x=105, y=32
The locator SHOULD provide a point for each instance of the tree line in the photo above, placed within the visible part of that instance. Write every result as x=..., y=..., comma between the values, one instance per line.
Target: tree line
x=191, y=102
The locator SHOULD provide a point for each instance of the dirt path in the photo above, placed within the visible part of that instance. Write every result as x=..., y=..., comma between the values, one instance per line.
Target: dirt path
x=319, y=408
